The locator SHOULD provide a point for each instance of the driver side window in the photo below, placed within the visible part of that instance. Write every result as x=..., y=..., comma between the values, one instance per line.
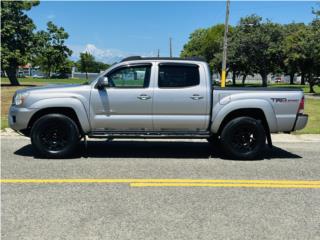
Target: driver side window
x=130, y=77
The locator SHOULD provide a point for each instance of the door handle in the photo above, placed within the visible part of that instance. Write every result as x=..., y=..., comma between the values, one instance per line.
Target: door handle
x=144, y=97
x=196, y=97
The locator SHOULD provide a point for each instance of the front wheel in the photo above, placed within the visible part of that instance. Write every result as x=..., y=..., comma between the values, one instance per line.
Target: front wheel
x=214, y=140
x=243, y=138
x=55, y=136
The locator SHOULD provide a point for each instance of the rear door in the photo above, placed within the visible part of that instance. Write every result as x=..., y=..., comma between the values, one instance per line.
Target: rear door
x=180, y=97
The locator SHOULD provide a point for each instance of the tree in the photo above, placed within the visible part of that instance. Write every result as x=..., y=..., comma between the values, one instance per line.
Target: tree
x=295, y=46
x=314, y=73
x=303, y=49
x=214, y=47
x=293, y=57
x=16, y=36
x=316, y=12
x=99, y=66
x=239, y=61
x=263, y=47
x=86, y=62
x=260, y=43
x=66, y=67
x=206, y=43
x=195, y=46
x=51, y=53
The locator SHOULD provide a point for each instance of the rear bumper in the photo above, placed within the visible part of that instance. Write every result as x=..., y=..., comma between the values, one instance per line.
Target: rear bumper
x=301, y=122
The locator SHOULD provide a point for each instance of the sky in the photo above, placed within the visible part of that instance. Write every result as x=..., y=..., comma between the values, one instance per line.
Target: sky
x=113, y=30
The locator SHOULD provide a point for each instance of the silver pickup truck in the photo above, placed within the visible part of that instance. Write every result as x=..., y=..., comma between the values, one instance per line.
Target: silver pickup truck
x=156, y=98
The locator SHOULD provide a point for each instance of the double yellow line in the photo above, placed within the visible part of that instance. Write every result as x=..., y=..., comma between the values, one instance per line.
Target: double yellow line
x=177, y=182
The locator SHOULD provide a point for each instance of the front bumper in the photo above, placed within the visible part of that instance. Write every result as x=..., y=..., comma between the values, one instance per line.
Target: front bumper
x=19, y=117
x=301, y=122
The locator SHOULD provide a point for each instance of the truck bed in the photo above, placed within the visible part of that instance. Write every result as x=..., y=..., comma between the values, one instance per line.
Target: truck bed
x=280, y=105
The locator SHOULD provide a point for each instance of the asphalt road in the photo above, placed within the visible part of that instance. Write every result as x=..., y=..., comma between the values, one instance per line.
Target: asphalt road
x=111, y=210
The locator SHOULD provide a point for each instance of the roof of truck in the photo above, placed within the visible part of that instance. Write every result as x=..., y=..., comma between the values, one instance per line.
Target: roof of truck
x=134, y=58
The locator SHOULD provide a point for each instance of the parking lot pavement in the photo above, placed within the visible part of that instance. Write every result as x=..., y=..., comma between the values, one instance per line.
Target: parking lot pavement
x=89, y=209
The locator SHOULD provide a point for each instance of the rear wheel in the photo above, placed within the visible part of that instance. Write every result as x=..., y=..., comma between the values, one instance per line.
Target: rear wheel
x=55, y=136
x=243, y=138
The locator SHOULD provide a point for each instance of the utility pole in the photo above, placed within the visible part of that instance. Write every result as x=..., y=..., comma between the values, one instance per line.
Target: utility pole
x=170, y=46
x=225, y=46
x=158, y=52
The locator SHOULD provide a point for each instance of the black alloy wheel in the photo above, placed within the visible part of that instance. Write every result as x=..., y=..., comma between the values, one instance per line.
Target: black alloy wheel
x=243, y=138
x=55, y=136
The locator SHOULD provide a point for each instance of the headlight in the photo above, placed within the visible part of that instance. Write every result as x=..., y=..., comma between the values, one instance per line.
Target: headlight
x=19, y=98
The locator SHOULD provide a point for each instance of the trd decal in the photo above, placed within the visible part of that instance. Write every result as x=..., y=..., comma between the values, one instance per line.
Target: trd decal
x=279, y=100
x=283, y=100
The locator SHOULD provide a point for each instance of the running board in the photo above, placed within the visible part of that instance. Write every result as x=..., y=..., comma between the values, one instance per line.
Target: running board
x=143, y=134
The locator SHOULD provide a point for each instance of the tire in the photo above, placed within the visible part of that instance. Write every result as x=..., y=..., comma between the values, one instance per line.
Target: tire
x=55, y=136
x=243, y=138
x=214, y=140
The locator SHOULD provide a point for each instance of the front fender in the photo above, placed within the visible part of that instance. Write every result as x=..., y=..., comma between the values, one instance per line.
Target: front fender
x=72, y=103
x=220, y=111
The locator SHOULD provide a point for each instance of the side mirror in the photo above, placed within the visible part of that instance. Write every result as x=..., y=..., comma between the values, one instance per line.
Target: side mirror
x=103, y=82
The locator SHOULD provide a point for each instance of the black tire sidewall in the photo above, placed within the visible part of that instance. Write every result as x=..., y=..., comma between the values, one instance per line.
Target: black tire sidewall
x=214, y=140
x=40, y=126
x=230, y=128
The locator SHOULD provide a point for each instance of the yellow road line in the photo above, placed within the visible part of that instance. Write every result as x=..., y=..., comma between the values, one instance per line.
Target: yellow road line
x=66, y=180
x=173, y=181
x=222, y=185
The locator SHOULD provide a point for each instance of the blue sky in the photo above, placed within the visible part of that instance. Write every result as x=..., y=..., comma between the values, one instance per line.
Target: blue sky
x=111, y=30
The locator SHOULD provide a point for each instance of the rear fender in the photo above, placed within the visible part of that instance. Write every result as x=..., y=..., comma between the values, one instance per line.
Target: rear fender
x=221, y=111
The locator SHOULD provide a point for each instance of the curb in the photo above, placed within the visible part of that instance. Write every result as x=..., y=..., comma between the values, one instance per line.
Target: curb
x=8, y=132
x=281, y=137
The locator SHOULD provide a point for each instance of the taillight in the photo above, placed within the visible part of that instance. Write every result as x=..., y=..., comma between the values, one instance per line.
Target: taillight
x=301, y=105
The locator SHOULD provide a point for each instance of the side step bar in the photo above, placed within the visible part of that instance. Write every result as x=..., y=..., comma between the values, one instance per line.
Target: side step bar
x=143, y=134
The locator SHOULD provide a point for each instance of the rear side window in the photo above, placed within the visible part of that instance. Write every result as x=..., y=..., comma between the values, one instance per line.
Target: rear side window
x=175, y=76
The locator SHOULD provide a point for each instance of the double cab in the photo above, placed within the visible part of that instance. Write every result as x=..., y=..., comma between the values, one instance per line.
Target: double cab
x=156, y=98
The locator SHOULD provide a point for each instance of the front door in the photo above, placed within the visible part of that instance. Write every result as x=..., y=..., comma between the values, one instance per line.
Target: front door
x=126, y=104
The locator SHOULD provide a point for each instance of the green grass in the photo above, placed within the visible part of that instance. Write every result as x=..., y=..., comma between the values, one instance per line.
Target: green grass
x=44, y=81
x=312, y=107
x=4, y=122
x=305, y=88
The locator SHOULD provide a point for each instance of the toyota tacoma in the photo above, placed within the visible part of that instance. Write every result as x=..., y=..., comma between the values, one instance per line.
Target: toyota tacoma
x=156, y=98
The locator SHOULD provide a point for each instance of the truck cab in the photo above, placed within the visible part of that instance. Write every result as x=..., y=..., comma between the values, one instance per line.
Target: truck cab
x=152, y=96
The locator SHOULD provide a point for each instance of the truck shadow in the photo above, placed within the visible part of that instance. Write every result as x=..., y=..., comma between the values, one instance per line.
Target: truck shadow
x=156, y=149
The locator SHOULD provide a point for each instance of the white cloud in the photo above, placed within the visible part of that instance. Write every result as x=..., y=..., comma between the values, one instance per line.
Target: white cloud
x=104, y=55
x=51, y=16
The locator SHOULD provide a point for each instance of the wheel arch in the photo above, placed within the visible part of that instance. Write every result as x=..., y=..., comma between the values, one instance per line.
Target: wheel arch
x=256, y=108
x=255, y=113
x=67, y=111
x=71, y=106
